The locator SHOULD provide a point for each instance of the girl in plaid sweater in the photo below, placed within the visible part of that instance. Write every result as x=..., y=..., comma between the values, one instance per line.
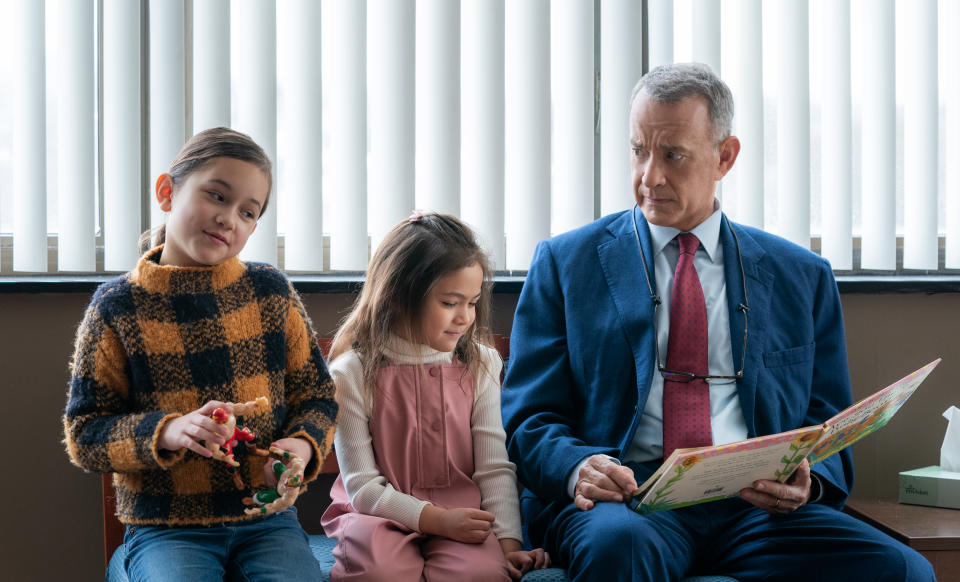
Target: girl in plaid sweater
x=160, y=348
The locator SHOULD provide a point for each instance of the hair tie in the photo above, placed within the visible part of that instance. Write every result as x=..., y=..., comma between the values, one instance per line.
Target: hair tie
x=417, y=215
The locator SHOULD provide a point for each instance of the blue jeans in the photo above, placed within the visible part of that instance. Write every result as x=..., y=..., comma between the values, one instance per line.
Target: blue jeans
x=273, y=547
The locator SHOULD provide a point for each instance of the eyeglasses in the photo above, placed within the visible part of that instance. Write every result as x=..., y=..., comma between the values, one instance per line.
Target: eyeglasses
x=677, y=376
x=674, y=375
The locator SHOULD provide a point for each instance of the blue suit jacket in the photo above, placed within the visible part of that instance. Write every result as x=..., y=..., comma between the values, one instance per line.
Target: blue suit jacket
x=582, y=351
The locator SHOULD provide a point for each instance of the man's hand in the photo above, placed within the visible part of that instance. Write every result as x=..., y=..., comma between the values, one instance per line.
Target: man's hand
x=601, y=479
x=776, y=497
x=467, y=525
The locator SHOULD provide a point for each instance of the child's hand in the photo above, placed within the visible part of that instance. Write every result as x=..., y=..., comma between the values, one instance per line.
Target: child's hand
x=466, y=525
x=190, y=429
x=297, y=446
x=519, y=561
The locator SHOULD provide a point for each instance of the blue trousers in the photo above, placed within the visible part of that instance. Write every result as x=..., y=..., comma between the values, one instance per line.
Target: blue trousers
x=273, y=548
x=729, y=537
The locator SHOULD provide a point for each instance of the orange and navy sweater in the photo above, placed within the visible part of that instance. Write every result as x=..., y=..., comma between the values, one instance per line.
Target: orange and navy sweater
x=160, y=342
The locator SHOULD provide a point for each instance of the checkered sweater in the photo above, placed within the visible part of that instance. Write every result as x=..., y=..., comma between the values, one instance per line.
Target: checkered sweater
x=162, y=341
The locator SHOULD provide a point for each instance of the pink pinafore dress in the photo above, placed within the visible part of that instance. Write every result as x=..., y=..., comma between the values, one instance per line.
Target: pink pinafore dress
x=422, y=444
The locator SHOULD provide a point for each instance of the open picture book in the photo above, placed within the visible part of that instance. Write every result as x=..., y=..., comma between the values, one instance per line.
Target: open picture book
x=690, y=476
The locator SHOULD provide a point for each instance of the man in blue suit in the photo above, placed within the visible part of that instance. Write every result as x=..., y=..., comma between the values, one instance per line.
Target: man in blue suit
x=583, y=402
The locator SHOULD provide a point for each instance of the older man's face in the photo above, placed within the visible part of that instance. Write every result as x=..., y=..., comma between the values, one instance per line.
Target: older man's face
x=675, y=161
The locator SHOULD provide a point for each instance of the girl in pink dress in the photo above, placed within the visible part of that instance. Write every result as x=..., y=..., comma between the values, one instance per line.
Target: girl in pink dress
x=425, y=491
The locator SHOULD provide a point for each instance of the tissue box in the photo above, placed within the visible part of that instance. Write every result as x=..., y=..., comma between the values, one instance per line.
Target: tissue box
x=930, y=486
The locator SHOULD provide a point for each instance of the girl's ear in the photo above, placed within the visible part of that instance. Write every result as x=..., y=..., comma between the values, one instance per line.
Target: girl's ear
x=164, y=191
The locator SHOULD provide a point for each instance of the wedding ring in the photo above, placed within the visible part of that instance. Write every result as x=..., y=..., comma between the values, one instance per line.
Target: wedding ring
x=778, y=503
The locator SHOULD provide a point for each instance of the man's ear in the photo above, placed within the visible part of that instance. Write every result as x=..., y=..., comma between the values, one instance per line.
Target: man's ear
x=164, y=191
x=729, y=149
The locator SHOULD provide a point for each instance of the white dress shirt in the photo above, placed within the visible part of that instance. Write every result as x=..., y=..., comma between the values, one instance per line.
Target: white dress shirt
x=726, y=416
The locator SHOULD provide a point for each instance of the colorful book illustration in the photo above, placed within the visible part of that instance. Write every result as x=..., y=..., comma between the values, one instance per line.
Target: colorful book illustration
x=691, y=476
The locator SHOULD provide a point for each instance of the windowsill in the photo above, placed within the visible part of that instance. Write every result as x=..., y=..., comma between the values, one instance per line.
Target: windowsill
x=507, y=282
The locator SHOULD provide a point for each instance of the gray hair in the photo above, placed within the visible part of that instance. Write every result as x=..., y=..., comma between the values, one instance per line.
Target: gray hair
x=676, y=82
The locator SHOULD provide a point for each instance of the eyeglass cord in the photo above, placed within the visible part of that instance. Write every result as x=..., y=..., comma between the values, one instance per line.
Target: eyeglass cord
x=742, y=307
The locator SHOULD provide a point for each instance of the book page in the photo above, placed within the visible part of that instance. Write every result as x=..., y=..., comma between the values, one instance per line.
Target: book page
x=868, y=415
x=711, y=473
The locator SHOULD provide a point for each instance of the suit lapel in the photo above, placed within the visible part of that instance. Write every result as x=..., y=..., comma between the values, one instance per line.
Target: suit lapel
x=624, y=273
x=759, y=285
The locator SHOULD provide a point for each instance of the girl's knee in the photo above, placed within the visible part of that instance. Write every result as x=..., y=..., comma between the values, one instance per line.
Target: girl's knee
x=372, y=572
x=487, y=572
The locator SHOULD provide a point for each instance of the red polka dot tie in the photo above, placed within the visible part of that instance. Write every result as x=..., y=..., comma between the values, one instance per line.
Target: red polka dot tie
x=686, y=402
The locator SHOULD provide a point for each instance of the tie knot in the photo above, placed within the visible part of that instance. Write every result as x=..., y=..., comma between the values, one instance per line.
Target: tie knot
x=689, y=243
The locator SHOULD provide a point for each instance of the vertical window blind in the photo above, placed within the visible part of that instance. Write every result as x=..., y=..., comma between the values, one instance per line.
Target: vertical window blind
x=482, y=130
x=29, y=134
x=512, y=114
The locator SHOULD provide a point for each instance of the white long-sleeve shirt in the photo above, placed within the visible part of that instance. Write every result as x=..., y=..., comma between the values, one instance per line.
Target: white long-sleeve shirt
x=371, y=493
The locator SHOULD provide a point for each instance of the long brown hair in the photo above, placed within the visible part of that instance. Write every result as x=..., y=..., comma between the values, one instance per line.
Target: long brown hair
x=413, y=256
x=200, y=150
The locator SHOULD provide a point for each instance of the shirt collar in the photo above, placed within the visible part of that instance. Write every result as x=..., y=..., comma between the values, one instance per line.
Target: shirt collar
x=707, y=231
x=402, y=351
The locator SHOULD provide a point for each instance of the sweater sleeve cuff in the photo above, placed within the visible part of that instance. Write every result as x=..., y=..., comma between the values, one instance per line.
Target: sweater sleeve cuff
x=164, y=458
x=316, y=459
x=402, y=508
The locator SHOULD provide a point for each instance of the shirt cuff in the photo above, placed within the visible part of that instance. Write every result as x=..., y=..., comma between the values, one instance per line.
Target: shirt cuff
x=816, y=488
x=575, y=475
